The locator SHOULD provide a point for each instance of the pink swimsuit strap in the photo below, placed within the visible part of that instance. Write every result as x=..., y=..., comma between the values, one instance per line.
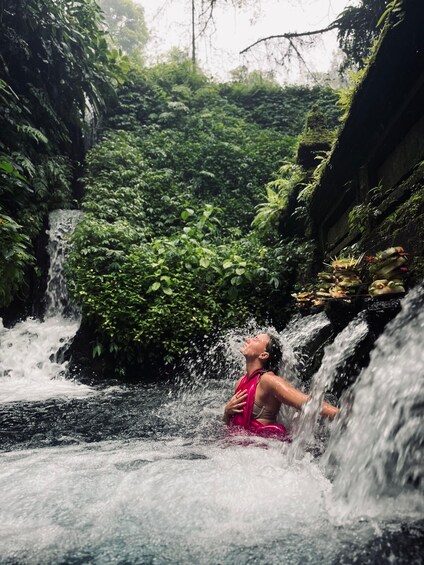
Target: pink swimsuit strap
x=250, y=383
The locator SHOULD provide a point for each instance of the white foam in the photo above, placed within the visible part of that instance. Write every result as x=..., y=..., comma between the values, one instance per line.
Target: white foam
x=377, y=450
x=32, y=361
x=195, y=500
x=31, y=367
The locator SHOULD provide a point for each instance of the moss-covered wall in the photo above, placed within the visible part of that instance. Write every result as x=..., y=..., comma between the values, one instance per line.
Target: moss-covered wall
x=371, y=190
x=404, y=227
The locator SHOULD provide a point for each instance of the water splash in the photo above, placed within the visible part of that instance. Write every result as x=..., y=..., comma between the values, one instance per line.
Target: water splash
x=335, y=355
x=202, y=371
x=165, y=502
x=296, y=339
x=219, y=358
x=206, y=380
x=32, y=353
x=376, y=452
x=157, y=488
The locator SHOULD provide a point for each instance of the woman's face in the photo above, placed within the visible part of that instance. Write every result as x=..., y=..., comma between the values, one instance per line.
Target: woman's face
x=254, y=346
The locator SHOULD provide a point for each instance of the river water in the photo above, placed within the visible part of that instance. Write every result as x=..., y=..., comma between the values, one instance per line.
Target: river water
x=148, y=473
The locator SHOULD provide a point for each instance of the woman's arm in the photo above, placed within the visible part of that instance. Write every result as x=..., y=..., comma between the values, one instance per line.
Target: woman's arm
x=328, y=410
x=285, y=393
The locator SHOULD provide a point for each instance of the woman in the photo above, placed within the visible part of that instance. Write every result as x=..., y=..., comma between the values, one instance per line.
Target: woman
x=260, y=393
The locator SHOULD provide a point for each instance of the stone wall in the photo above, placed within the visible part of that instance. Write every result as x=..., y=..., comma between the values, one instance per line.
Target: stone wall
x=375, y=163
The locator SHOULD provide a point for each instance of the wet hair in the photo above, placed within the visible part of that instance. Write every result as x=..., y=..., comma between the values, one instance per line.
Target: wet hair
x=275, y=353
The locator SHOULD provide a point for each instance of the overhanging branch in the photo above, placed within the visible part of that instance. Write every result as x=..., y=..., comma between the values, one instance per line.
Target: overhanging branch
x=296, y=50
x=292, y=35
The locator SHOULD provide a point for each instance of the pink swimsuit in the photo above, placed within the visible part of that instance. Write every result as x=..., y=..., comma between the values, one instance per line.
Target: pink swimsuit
x=245, y=419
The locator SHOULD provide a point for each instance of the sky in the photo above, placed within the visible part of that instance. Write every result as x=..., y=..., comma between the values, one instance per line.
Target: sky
x=234, y=28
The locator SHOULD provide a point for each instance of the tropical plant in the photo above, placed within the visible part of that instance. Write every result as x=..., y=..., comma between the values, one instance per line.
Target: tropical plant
x=278, y=191
x=55, y=72
x=284, y=109
x=193, y=142
x=361, y=217
x=14, y=257
x=165, y=253
x=358, y=27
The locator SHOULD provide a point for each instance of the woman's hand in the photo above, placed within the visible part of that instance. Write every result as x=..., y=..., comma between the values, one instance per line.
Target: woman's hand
x=235, y=405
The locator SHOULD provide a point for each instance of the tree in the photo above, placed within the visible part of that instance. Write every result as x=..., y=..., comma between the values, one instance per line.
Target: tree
x=165, y=253
x=126, y=24
x=55, y=69
x=357, y=28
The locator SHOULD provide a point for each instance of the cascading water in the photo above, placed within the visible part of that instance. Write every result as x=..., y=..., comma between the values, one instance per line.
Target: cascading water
x=62, y=224
x=225, y=359
x=377, y=451
x=32, y=365
x=296, y=339
x=146, y=474
x=334, y=356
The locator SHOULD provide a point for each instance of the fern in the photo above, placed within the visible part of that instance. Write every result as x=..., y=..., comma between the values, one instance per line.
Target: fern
x=305, y=196
x=346, y=94
x=34, y=133
x=393, y=7
x=277, y=194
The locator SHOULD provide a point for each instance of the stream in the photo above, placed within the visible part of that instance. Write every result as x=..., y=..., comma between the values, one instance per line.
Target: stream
x=148, y=473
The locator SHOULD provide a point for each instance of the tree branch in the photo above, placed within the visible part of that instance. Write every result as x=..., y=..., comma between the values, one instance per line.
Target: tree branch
x=209, y=18
x=292, y=35
x=296, y=50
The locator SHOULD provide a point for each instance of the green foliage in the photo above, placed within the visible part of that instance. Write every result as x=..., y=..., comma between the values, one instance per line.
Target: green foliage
x=283, y=109
x=306, y=194
x=192, y=144
x=394, y=9
x=126, y=25
x=361, y=216
x=55, y=70
x=316, y=131
x=165, y=253
x=369, y=50
x=150, y=297
x=277, y=194
x=358, y=29
x=346, y=94
x=14, y=258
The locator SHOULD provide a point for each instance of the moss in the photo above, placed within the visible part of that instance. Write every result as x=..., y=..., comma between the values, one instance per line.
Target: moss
x=405, y=227
x=406, y=214
x=358, y=78
x=317, y=132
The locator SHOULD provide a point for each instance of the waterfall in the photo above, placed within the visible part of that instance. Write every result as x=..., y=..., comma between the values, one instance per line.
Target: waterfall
x=335, y=355
x=296, y=343
x=62, y=224
x=32, y=353
x=376, y=452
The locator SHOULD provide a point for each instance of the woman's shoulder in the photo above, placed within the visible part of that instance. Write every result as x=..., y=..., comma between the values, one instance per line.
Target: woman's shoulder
x=270, y=377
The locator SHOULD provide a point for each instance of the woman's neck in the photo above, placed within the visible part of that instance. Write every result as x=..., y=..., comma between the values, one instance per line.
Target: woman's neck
x=252, y=366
